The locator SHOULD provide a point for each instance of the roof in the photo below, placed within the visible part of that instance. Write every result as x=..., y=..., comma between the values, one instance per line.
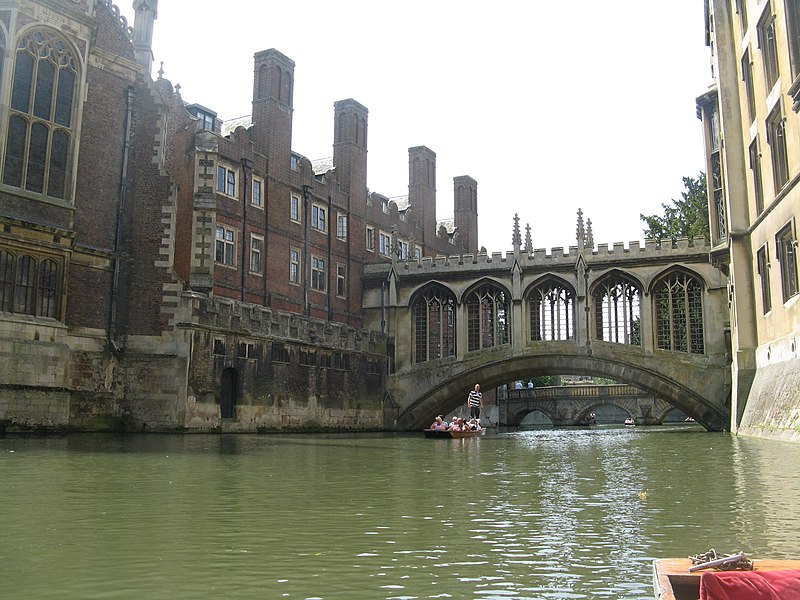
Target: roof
x=230, y=125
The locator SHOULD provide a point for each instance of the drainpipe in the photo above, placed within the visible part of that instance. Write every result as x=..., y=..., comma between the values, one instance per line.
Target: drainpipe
x=247, y=165
x=265, y=206
x=331, y=225
x=306, y=257
x=123, y=190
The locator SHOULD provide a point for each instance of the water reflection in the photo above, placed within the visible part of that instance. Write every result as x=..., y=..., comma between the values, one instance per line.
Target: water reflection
x=533, y=514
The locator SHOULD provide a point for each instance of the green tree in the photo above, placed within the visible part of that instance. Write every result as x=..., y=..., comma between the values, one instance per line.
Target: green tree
x=687, y=217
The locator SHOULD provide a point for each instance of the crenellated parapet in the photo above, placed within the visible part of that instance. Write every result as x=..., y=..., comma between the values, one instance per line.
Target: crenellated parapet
x=679, y=250
x=120, y=18
x=245, y=320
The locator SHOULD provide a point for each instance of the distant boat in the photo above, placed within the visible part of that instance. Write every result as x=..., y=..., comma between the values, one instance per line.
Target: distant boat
x=451, y=433
x=630, y=421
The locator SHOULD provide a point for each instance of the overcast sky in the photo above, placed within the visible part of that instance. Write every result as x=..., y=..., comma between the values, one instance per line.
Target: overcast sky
x=549, y=106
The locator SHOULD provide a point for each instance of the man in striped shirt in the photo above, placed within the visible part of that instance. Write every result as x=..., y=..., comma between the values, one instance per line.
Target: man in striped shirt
x=475, y=401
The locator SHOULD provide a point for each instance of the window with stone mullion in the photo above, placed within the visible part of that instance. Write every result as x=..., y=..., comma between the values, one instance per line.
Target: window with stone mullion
x=39, y=126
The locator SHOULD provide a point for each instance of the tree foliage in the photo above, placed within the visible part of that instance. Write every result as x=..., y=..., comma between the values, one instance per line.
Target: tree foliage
x=684, y=218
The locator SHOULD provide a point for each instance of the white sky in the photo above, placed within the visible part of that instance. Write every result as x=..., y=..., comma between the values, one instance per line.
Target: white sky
x=549, y=106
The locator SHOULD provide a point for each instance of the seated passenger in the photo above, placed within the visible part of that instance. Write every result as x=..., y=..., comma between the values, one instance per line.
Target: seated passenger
x=438, y=423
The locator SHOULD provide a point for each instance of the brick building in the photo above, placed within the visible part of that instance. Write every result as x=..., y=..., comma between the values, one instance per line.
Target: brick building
x=160, y=269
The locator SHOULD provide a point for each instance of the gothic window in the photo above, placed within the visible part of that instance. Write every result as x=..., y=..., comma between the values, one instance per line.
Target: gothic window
x=755, y=168
x=2, y=54
x=434, y=327
x=762, y=267
x=678, y=309
x=716, y=176
x=786, y=244
x=487, y=318
x=617, y=310
x=29, y=286
x=40, y=121
x=769, y=48
x=552, y=312
x=6, y=280
x=776, y=138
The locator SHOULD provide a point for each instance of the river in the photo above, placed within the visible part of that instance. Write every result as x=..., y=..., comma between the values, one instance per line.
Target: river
x=549, y=513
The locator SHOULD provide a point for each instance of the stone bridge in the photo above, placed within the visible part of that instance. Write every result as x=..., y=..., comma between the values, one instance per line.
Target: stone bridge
x=652, y=316
x=571, y=404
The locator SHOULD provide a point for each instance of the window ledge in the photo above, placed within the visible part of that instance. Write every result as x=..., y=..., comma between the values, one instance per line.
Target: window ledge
x=794, y=92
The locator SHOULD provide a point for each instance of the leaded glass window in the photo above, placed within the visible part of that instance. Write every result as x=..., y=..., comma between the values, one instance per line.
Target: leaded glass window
x=487, y=318
x=434, y=326
x=552, y=312
x=678, y=308
x=40, y=120
x=617, y=311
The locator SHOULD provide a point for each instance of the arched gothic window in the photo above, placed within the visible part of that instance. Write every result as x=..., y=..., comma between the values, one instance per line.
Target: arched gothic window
x=2, y=55
x=29, y=286
x=434, y=328
x=678, y=308
x=617, y=311
x=487, y=318
x=552, y=312
x=39, y=125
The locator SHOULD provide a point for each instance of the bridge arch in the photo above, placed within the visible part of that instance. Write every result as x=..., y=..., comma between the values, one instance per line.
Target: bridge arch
x=451, y=392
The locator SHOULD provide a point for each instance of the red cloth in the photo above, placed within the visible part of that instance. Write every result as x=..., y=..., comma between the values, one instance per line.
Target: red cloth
x=750, y=585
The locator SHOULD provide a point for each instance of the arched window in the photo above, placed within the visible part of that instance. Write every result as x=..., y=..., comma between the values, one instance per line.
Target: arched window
x=617, y=311
x=47, y=288
x=678, y=308
x=29, y=286
x=434, y=328
x=6, y=280
x=487, y=318
x=552, y=311
x=40, y=121
x=25, y=285
x=2, y=55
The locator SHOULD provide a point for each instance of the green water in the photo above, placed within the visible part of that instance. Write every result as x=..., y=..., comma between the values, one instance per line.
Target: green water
x=568, y=513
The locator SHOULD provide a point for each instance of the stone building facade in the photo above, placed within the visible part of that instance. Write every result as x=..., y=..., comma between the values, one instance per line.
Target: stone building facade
x=752, y=138
x=161, y=270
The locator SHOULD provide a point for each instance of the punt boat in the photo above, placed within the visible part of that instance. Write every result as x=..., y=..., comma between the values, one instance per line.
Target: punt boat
x=447, y=433
x=672, y=579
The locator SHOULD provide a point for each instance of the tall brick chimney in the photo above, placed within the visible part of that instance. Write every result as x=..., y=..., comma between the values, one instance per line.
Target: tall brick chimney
x=350, y=147
x=273, y=99
x=465, y=212
x=422, y=189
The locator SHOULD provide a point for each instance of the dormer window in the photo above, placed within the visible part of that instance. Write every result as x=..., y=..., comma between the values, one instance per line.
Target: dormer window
x=208, y=118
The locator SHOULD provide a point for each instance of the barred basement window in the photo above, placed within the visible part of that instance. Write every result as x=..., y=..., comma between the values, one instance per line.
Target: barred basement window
x=279, y=354
x=325, y=360
x=40, y=121
x=341, y=361
x=247, y=350
x=308, y=358
x=552, y=312
x=434, y=329
x=487, y=318
x=219, y=347
x=617, y=311
x=678, y=308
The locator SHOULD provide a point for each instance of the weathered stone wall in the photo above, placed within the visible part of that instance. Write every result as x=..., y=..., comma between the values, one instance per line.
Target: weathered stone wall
x=772, y=409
